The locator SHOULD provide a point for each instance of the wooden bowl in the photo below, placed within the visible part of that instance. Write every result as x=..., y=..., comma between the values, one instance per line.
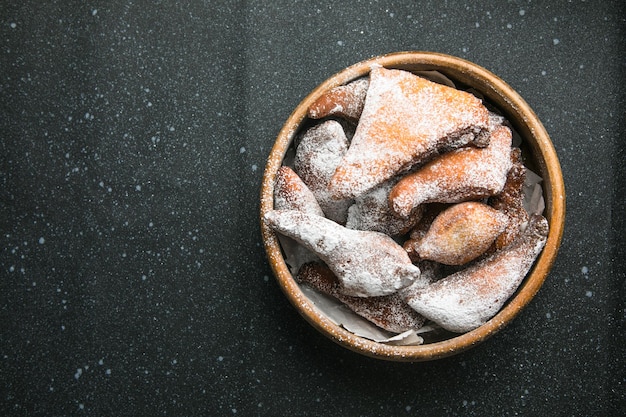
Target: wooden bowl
x=544, y=160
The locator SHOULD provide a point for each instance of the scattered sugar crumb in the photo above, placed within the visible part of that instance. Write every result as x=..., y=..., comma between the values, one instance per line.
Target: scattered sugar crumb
x=555, y=41
x=589, y=294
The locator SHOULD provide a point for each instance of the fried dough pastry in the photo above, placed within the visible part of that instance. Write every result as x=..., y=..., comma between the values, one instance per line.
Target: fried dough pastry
x=345, y=101
x=465, y=300
x=389, y=312
x=430, y=272
x=318, y=152
x=429, y=213
x=366, y=263
x=460, y=234
x=406, y=119
x=464, y=174
x=371, y=211
x=291, y=193
x=511, y=200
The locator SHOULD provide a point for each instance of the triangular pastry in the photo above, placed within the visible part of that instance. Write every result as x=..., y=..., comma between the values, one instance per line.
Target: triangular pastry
x=366, y=263
x=319, y=151
x=465, y=174
x=389, y=312
x=465, y=300
x=406, y=119
x=344, y=101
x=291, y=193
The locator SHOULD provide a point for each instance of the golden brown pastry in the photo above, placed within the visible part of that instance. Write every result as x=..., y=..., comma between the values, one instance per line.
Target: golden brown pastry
x=464, y=174
x=389, y=312
x=291, y=193
x=465, y=300
x=429, y=213
x=511, y=200
x=345, y=101
x=318, y=152
x=405, y=120
x=371, y=211
x=460, y=234
x=366, y=263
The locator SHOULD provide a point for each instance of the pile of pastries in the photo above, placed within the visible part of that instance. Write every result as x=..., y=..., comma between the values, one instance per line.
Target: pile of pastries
x=404, y=201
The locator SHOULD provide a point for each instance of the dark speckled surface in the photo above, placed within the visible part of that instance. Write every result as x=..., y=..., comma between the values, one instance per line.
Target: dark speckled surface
x=133, y=137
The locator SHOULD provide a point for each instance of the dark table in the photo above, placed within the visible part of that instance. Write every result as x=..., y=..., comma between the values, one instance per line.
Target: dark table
x=133, y=138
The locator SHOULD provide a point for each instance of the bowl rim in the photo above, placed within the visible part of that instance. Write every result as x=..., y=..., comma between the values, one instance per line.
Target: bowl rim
x=524, y=120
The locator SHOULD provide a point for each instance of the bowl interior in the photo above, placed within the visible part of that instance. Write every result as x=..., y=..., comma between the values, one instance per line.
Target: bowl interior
x=540, y=154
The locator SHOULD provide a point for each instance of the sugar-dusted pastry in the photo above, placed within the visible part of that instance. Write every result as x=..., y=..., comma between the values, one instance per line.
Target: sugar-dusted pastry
x=318, y=152
x=430, y=272
x=429, y=213
x=464, y=174
x=511, y=201
x=389, y=312
x=366, y=263
x=460, y=234
x=465, y=300
x=405, y=120
x=371, y=212
x=291, y=193
x=345, y=101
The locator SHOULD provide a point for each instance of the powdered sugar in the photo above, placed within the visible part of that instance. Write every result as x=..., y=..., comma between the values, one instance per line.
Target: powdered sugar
x=405, y=120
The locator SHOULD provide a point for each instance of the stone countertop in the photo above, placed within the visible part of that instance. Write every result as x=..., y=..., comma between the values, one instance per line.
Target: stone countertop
x=133, y=141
